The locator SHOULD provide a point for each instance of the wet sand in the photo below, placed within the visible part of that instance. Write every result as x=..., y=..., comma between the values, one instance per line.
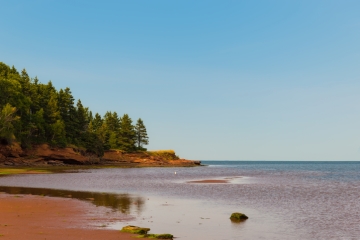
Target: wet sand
x=36, y=217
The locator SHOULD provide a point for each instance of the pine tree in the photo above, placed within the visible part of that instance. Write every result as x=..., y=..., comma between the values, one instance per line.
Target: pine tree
x=82, y=120
x=7, y=118
x=24, y=129
x=112, y=124
x=113, y=142
x=38, y=126
x=93, y=144
x=127, y=134
x=68, y=114
x=58, y=133
x=25, y=83
x=97, y=122
x=56, y=128
x=32, y=112
x=141, y=135
x=112, y=121
x=103, y=134
x=10, y=87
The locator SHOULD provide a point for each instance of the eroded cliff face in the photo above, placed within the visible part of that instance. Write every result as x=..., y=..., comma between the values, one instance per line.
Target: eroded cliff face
x=14, y=155
x=45, y=155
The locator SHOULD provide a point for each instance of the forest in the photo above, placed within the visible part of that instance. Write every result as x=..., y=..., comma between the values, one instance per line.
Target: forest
x=34, y=113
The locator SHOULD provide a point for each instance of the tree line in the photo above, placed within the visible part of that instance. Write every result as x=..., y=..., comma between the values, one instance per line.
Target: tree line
x=32, y=113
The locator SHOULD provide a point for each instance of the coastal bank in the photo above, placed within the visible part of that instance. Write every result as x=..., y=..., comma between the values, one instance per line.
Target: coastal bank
x=44, y=155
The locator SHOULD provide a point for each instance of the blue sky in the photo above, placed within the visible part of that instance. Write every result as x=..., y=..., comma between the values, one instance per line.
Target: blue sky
x=213, y=80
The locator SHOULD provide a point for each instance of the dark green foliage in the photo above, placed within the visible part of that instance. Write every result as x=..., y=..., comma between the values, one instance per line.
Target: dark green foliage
x=32, y=112
x=97, y=122
x=141, y=135
x=93, y=144
x=127, y=134
x=68, y=114
x=7, y=119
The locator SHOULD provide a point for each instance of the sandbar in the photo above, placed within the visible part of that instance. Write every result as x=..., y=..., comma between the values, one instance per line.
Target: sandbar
x=209, y=181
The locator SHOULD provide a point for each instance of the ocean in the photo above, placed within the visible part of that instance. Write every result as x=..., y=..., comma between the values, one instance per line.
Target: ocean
x=283, y=199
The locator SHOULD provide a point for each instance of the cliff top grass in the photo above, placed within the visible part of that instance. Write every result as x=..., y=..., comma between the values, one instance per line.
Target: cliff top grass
x=8, y=171
x=166, y=154
x=169, y=151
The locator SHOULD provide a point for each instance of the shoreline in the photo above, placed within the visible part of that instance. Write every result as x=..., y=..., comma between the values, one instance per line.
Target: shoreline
x=49, y=169
x=33, y=217
x=44, y=155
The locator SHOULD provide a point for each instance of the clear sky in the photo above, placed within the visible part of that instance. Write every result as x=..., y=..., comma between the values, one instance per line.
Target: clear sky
x=213, y=80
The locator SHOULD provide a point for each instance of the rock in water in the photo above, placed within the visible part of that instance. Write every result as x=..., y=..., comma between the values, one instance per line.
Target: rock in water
x=238, y=216
x=135, y=229
x=143, y=232
x=160, y=236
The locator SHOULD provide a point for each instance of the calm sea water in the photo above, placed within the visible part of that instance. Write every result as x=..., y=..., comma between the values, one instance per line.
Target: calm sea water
x=284, y=200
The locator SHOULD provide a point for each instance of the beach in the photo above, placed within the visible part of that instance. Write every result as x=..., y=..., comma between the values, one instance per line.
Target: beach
x=37, y=217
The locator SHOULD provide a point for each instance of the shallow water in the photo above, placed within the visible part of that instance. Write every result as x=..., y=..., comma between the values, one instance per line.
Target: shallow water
x=284, y=200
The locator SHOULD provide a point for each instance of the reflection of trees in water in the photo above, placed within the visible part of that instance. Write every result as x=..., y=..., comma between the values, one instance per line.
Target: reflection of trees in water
x=118, y=202
x=139, y=204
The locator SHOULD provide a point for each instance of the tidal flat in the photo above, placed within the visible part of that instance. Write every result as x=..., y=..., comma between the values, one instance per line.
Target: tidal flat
x=283, y=200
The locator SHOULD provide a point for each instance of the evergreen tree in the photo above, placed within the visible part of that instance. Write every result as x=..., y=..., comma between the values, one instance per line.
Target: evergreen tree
x=10, y=87
x=97, y=122
x=89, y=115
x=113, y=142
x=58, y=133
x=25, y=83
x=55, y=125
x=7, y=118
x=35, y=117
x=112, y=123
x=82, y=118
x=52, y=110
x=45, y=91
x=127, y=134
x=68, y=114
x=103, y=134
x=141, y=135
x=93, y=144
x=33, y=112
x=24, y=128
x=38, y=126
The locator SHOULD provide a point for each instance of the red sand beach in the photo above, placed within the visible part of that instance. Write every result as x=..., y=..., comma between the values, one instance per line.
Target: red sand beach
x=36, y=217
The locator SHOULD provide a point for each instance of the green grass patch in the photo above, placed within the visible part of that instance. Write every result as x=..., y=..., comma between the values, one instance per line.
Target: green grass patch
x=8, y=171
x=165, y=154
